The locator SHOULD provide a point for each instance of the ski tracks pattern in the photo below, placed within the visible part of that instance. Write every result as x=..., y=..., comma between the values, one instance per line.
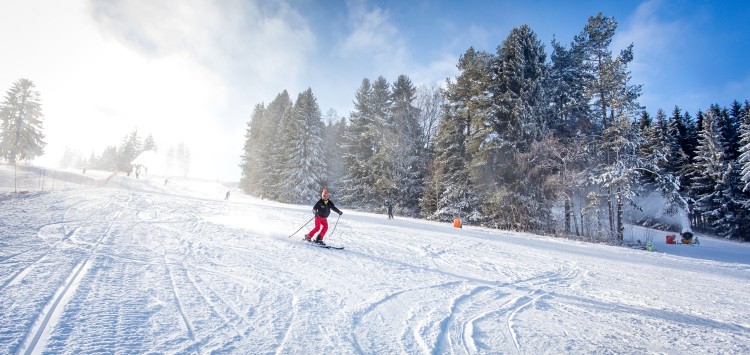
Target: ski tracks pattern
x=465, y=316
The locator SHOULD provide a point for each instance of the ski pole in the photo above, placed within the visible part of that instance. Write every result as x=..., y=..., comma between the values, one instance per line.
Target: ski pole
x=300, y=228
x=334, y=226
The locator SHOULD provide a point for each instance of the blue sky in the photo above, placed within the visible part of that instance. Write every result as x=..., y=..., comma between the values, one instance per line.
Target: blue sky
x=191, y=71
x=687, y=53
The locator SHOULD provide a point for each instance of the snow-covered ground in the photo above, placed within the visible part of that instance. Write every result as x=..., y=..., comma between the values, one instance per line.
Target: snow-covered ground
x=137, y=266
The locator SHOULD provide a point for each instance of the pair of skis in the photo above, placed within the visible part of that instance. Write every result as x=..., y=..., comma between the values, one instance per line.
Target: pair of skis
x=326, y=246
x=316, y=244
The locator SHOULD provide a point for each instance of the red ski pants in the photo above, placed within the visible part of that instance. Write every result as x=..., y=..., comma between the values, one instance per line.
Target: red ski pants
x=320, y=224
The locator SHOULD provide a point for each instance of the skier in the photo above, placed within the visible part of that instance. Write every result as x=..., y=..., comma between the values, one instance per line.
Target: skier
x=322, y=209
x=226, y=197
x=389, y=207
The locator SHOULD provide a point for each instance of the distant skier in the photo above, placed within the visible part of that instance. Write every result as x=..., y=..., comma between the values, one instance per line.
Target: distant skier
x=322, y=209
x=226, y=197
x=389, y=207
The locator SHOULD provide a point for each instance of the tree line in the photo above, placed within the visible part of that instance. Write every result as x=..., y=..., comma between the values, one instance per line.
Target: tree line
x=516, y=140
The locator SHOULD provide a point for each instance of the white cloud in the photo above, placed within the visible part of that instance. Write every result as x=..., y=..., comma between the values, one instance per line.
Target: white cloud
x=374, y=37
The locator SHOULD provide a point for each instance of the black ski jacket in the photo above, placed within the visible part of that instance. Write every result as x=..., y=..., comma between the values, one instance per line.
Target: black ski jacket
x=323, y=208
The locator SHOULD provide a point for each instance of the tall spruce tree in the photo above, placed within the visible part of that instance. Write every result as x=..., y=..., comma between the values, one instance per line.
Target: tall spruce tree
x=409, y=157
x=569, y=122
x=565, y=85
x=708, y=173
x=362, y=143
x=677, y=160
x=455, y=197
x=304, y=170
x=458, y=137
x=383, y=161
x=274, y=159
x=21, y=131
x=745, y=148
x=518, y=119
x=253, y=152
x=615, y=103
x=333, y=151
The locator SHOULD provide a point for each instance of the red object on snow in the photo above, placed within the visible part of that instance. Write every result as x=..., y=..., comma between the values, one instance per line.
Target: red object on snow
x=671, y=239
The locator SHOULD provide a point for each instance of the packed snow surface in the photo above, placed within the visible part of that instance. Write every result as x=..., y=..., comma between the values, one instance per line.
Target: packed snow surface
x=140, y=266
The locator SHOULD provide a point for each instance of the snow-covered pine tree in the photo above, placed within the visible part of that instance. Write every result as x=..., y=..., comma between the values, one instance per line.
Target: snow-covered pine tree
x=149, y=144
x=745, y=148
x=677, y=165
x=361, y=142
x=130, y=147
x=566, y=90
x=21, y=131
x=731, y=130
x=333, y=151
x=253, y=152
x=517, y=120
x=303, y=134
x=458, y=136
x=615, y=103
x=744, y=165
x=409, y=161
x=382, y=163
x=273, y=158
x=569, y=121
x=691, y=136
x=455, y=196
x=708, y=172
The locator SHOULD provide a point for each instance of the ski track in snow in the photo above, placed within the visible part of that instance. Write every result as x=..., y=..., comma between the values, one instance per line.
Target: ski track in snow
x=137, y=267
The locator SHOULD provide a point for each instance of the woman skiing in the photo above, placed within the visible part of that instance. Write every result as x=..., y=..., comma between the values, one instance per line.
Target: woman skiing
x=322, y=209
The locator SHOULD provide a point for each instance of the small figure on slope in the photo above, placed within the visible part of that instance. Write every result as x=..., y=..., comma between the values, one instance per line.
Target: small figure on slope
x=322, y=209
x=389, y=207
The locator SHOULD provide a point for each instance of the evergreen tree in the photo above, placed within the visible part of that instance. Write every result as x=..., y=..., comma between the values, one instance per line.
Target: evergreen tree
x=744, y=166
x=382, y=165
x=409, y=156
x=654, y=147
x=108, y=160
x=130, y=147
x=745, y=148
x=691, y=137
x=677, y=160
x=709, y=170
x=469, y=98
x=570, y=122
x=566, y=86
x=615, y=103
x=455, y=196
x=21, y=135
x=272, y=144
x=458, y=138
x=516, y=121
x=305, y=167
x=149, y=144
x=731, y=130
x=253, y=153
x=361, y=143
x=333, y=151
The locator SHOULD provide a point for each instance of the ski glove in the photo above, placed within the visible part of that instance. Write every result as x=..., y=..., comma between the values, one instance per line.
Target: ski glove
x=340, y=213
